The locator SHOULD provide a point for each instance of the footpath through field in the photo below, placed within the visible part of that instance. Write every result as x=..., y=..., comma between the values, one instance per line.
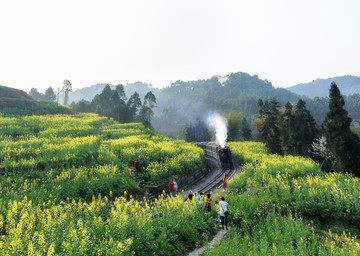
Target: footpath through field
x=208, y=184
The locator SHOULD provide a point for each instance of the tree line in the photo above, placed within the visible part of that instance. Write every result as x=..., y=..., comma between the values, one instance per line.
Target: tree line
x=110, y=103
x=114, y=104
x=293, y=130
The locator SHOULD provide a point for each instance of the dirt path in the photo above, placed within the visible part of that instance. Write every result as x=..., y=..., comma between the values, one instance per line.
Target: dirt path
x=217, y=238
x=216, y=241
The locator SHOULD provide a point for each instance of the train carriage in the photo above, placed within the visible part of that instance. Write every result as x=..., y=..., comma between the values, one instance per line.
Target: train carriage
x=217, y=152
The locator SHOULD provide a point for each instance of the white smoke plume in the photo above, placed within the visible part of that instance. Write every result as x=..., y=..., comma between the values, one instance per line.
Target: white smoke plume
x=219, y=123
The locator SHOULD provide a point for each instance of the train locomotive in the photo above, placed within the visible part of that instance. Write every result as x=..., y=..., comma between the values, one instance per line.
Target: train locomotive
x=223, y=154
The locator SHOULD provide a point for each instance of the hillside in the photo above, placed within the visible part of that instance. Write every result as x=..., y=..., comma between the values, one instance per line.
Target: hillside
x=7, y=92
x=320, y=87
x=65, y=182
x=17, y=102
x=184, y=102
x=67, y=189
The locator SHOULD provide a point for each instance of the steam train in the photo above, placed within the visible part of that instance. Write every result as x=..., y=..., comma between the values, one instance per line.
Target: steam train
x=223, y=154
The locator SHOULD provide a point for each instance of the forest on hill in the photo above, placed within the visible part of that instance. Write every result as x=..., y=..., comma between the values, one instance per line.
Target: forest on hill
x=320, y=87
x=183, y=104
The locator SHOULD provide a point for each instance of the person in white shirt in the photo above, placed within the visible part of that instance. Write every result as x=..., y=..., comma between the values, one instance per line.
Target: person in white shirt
x=175, y=187
x=223, y=208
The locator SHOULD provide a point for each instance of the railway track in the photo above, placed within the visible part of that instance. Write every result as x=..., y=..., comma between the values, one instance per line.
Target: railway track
x=213, y=180
x=208, y=185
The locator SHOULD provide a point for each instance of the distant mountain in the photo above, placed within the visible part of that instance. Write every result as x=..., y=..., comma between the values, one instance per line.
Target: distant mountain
x=7, y=92
x=185, y=102
x=88, y=93
x=320, y=87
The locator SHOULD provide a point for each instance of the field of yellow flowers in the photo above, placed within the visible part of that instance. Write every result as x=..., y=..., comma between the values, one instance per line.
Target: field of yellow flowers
x=293, y=208
x=63, y=183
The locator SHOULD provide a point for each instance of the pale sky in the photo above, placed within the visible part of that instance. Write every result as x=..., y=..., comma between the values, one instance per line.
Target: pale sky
x=287, y=42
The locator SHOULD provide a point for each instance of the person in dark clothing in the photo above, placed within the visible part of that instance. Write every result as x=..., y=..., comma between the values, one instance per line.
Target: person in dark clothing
x=208, y=200
x=137, y=167
x=191, y=195
x=141, y=183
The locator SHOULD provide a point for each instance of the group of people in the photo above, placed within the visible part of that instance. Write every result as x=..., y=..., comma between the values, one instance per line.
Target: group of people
x=221, y=207
x=173, y=187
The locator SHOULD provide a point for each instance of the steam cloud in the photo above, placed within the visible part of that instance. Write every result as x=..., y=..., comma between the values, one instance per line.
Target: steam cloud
x=219, y=123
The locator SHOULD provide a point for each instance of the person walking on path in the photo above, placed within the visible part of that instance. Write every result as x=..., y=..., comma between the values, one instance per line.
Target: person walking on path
x=171, y=187
x=208, y=202
x=199, y=197
x=223, y=212
x=224, y=181
x=175, y=187
x=137, y=167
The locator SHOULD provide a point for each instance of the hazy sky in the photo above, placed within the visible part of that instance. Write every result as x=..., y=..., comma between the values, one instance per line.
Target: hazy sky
x=161, y=41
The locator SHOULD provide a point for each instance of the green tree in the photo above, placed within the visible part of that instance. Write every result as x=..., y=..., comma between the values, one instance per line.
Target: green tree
x=119, y=103
x=344, y=144
x=268, y=126
x=288, y=139
x=198, y=132
x=234, y=123
x=83, y=106
x=35, y=94
x=105, y=100
x=245, y=131
x=133, y=106
x=305, y=131
x=49, y=95
x=66, y=89
x=146, y=111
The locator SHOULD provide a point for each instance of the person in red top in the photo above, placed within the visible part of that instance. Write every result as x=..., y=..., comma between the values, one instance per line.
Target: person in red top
x=171, y=187
x=208, y=202
x=224, y=181
x=136, y=167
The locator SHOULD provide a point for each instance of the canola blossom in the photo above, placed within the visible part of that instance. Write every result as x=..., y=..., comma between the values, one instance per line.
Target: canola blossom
x=63, y=184
x=285, y=196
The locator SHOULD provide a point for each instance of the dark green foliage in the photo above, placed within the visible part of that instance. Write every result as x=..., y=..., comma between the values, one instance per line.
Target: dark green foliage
x=34, y=94
x=237, y=92
x=245, y=131
x=146, y=112
x=290, y=132
x=112, y=103
x=23, y=107
x=288, y=139
x=198, y=132
x=344, y=144
x=7, y=92
x=268, y=126
x=304, y=130
x=319, y=106
x=83, y=106
x=234, y=123
x=49, y=95
x=133, y=106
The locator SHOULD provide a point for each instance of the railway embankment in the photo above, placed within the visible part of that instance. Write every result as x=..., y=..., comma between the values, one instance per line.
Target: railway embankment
x=204, y=179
